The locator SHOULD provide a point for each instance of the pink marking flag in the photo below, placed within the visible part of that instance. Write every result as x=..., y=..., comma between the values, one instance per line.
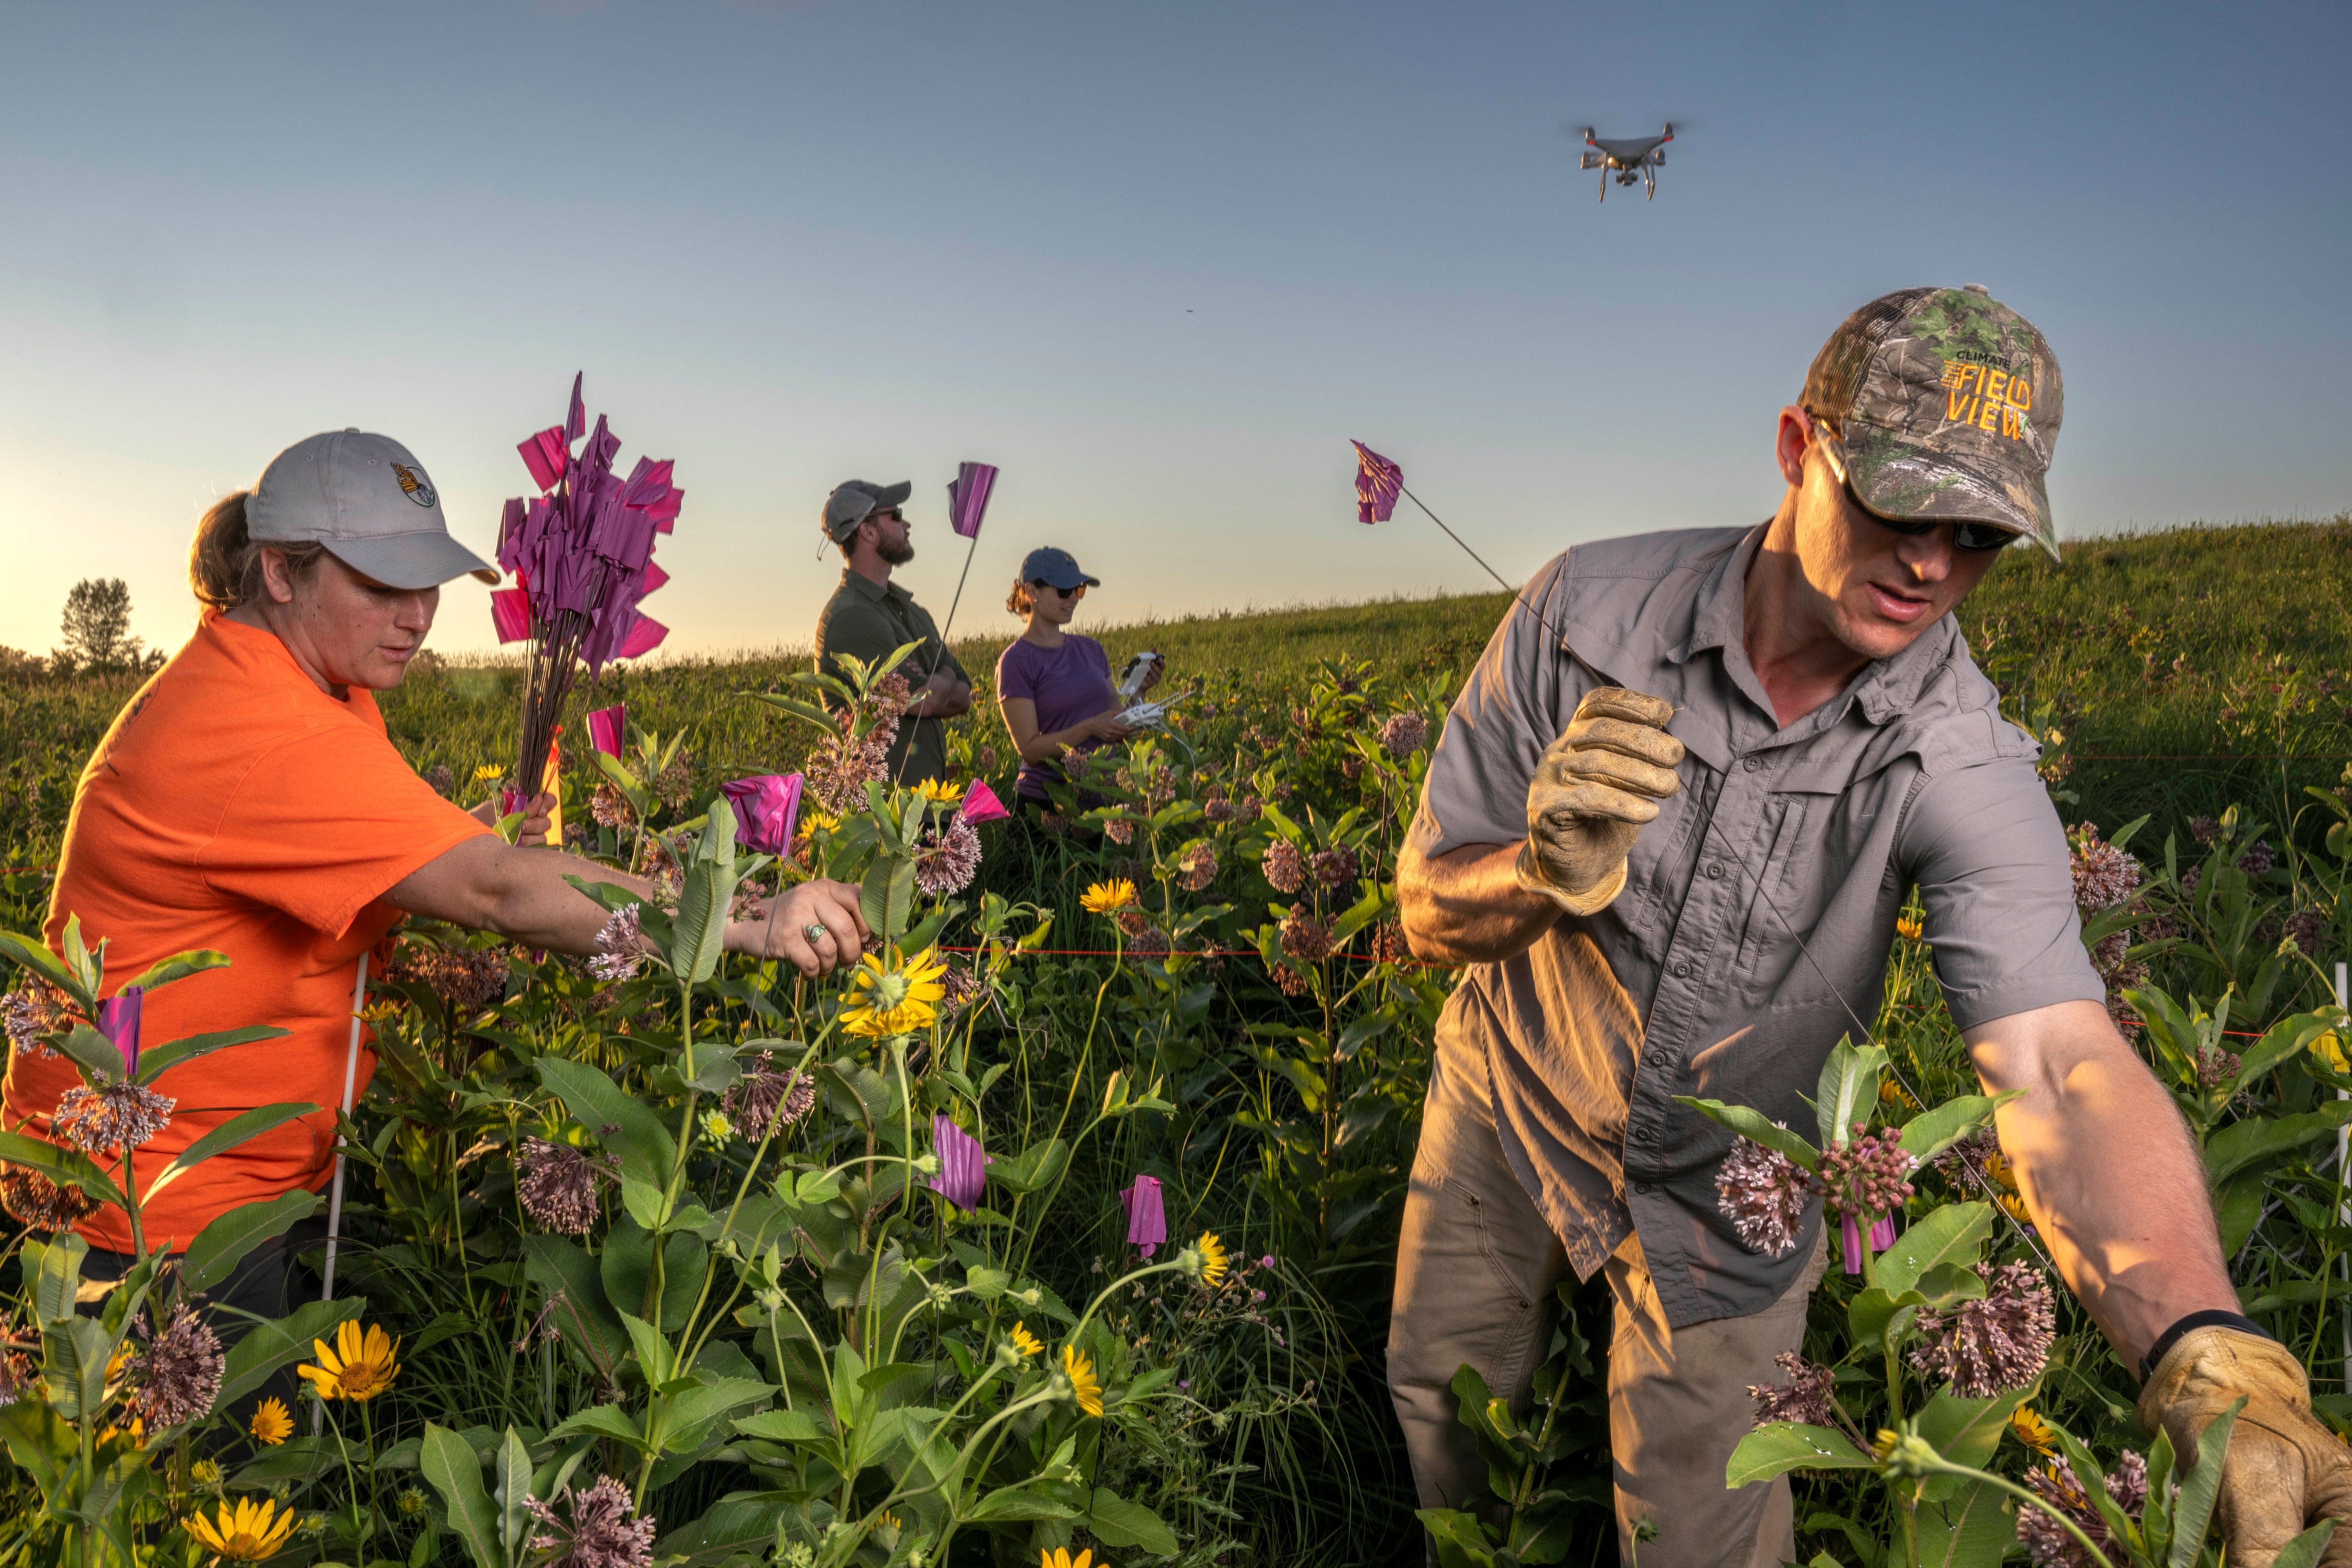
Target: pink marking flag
x=1377, y=483
x=118, y=1020
x=1146, y=1216
x=607, y=727
x=766, y=809
x=511, y=613
x=980, y=804
x=968, y=497
x=963, y=1165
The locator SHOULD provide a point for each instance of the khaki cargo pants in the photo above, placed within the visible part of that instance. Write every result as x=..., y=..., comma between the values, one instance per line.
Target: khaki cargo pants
x=1476, y=1271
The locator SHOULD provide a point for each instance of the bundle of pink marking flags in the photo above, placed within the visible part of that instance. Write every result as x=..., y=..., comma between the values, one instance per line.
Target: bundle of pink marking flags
x=582, y=556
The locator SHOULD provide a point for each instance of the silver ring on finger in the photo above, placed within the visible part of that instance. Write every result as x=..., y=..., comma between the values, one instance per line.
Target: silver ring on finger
x=814, y=933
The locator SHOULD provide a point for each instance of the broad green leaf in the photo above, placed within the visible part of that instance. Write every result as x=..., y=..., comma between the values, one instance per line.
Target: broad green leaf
x=242, y=1128
x=268, y=1346
x=179, y=966
x=2304, y=1550
x=2286, y=1038
x=1032, y=1170
x=1872, y=1314
x=1779, y=1446
x=583, y=1316
x=887, y=897
x=448, y=1462
x=1952, y=1234
x=1938, y=1127
x=2239, y=1144
x=2192, y=1509
x=627, y=1264
x=220, y=1245
x=1966, y=1431
x=74, y=1353
x=698, y=930
x=1949, y=1283
x=510, y=1475
x=1019, y=1502
x=1757, y=1127
x=848, y=1367
x=601, y=1421
x=798, y=707
x=63, y=1166
x=1847, y=1091
x=783, y=1426
x=654, y=1355
x=987, y=1284
x=99, y=1060
x=56, y=1270
x=33, y=953
x=1972, y=1528
x=155, y=1062
x=1117, y=1523
x=1461, y=1542
x=640, y=1140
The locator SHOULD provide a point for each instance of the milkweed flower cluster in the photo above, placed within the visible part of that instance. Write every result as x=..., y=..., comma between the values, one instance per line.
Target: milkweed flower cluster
x=32, y=1199
x=949, y=859
x=845, y=763
x=1402, y=736
x=111, y=1118
x=2105, y=876
x=468, y=978
x=1197, y=868
x=1992, y=1346
x=558, y=1185
x=601, y=1531
x=1334, y=868
x=764, y=1099
x=620, y=946
x=177, y=1372
x=1804, y=1398
x=1864, y=1180
x=32, y=1013
x=2047, y=1540
x=1763, y=1194
x=1284, y=866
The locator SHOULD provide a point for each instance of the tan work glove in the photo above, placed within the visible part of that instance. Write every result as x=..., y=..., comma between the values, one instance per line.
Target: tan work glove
x=1594, y=789
x=2286, y=1471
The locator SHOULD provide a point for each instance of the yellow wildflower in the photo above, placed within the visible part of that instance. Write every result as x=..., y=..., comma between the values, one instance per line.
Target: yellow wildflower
x=1083, y=1388
x=816, y=819
x=1997, y=1166
x=2032, y=1430
x=1893, y=1093
x=116, y=1363
x=136, y=1432
x=244, y=1534
x=2014, y=1207
x=489, y=770
x=204, y=1473
x=887, y=1001
x=360, y=1367
x=1213, y=1258
x=1059, y=1557
x=1025, y=1342
x=271, y=1424
x=1107, y=897
x=940, y=792
x=2328, y=1052
x=1909, y=926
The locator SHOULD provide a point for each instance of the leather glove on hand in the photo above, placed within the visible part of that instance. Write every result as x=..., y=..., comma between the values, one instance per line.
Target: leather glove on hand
x=1594, y=789
x=2285, y=1470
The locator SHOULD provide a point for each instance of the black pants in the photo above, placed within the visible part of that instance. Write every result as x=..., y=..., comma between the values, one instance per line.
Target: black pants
x=269, y=1282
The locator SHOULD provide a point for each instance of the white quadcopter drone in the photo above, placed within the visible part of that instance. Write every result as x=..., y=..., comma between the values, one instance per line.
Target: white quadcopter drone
x=1637, y=158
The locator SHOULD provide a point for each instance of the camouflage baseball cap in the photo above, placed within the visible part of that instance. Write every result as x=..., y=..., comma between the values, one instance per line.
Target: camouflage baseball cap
x=1946, y=404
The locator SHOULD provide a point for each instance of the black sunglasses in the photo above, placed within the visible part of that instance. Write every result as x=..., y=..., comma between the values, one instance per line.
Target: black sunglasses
x=1971, y=536
x=1078, y=593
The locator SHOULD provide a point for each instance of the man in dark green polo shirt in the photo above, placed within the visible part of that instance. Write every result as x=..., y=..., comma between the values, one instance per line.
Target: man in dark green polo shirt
x=870, y=617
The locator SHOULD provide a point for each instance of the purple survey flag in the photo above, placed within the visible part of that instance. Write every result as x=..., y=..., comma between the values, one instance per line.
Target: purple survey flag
x=1378, y=482
x=980, y=804
x=767, y=808
x=1146, y=1216
x=118, y=1020
x=606, y=727
x=511, y=613
x=968, y=497
x=963, y=1166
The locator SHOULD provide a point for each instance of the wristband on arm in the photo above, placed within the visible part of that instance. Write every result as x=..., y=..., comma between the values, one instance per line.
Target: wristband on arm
x=2212, y=1317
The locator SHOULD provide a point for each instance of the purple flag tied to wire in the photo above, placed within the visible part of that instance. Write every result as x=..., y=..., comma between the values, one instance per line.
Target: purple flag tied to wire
x=963, y=1167
x=968, y=497
x=980, y=804
x=606, y=728
x=1882, y=1237
x=511, y=613
x=766, y=808
x=1378, y=482
x=118, y=1020
x=1147, y=1219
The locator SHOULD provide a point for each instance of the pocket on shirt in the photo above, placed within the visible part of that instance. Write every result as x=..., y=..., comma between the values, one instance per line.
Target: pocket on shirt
x=1768, y=920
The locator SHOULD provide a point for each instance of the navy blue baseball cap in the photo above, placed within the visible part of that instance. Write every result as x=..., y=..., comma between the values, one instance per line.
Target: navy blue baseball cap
x=1055, y=569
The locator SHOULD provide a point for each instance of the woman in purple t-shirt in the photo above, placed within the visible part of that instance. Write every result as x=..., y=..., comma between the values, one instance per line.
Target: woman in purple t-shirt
x=1054, y=687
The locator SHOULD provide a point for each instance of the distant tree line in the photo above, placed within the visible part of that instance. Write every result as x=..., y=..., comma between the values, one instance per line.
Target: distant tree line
x=94, y=638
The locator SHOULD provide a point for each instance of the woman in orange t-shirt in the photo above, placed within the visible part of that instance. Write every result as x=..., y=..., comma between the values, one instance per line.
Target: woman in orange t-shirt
x=249, y=800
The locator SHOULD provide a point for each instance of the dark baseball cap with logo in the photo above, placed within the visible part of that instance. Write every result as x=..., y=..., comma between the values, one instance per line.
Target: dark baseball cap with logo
x=1943, y=403
x=369, y=501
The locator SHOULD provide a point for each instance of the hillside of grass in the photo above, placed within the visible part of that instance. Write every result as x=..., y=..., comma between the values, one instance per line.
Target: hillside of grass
x=2186, y=669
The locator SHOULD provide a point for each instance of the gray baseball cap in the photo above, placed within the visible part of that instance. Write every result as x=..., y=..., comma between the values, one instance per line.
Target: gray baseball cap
x=367, y=499
x=854, y=500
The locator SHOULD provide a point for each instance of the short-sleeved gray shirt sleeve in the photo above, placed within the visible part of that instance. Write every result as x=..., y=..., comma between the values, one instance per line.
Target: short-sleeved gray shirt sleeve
x=1758, y=907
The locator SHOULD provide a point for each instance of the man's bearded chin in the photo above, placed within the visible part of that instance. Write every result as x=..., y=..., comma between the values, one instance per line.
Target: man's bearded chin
x=898, y=556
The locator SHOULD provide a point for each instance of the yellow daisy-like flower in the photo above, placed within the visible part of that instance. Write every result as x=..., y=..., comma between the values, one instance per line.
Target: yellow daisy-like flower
x=489, y=770
x=939, y=791
x=1026, y=1342
x=1059, y=1557
x=121, y=1358
x=247, y=1533
x=136, y=1432
x=203, y=1472
x=1997, y=1166
x=360, y=1367
x=2014, y=1207
x=1909, y=926
x=272, y=1424
x=814, y=818
x=2029, y=1429
x=2328, y=1052
x=1084, y=1387
x=885, y=1000
x=1213, y=1258
x=1107, y=897
x=1893, y=1093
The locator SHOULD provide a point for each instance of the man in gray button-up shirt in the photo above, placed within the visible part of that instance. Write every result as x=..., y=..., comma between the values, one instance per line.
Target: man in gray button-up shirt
x=1680, y=754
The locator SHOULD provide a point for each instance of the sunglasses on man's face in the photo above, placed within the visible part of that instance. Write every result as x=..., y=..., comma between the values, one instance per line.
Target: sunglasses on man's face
x=1971, y=536
x=1078, y=593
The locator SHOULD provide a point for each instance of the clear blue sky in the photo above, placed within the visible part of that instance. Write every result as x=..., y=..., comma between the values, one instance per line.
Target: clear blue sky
x=1158, y=261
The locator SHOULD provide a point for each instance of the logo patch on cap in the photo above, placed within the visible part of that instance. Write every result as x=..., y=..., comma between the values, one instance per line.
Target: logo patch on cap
x=1987, y=397
x=413, y=484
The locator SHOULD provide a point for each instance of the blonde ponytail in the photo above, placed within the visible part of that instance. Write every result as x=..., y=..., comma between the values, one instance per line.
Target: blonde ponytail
x=224, y=562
